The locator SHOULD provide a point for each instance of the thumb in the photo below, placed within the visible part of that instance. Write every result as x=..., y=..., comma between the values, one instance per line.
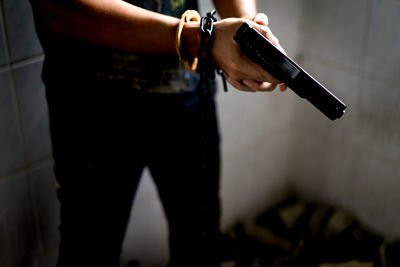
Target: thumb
x=261, y=19
x=266, y=31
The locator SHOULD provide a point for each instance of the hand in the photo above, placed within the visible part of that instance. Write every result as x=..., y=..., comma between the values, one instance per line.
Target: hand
x=240, y=71
x=262, y=19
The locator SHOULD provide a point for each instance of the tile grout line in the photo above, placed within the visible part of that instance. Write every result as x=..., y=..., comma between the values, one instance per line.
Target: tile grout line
x=367, y=28
x=27, y=61
x=3, y=28
x=5, y=68
x=364, y=48
x=31, y=165
x=28, y=179
x=22, y=63
x=12, y=173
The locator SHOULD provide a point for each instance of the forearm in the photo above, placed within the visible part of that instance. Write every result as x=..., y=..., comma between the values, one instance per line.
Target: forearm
x=112, y=23
x=123, y=26
x=236, y=8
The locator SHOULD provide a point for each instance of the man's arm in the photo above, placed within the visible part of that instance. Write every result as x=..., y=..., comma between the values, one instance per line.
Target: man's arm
x=123, y=26
x=236, y=8
x=112, y=23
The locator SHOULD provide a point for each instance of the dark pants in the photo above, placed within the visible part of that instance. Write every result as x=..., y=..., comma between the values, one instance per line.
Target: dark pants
x=102, y=139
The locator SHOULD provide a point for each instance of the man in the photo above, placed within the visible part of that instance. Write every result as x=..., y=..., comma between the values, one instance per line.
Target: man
x=120, y=101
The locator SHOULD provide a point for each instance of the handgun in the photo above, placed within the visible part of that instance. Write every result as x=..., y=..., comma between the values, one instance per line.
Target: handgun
x=259, y=49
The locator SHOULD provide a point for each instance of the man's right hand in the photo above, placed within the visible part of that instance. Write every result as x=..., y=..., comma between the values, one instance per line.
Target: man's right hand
x=239, y=70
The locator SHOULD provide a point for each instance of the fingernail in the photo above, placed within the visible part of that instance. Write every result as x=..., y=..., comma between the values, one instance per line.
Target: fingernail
x=248, y=83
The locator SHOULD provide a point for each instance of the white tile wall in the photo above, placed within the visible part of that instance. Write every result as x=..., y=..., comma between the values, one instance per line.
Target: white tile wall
x=3, y=54
x=354, y=160
x=383, y=54
x=47, y=205
x=380, y=118
x=21, y=101
x=18, y=240
x=20, y=29
x=34, y=114
x=146, y=238
x=334, y=30
x=375, y=193
x=284, y=21
x=11, y=156
x=247, y=116
x=254, y=177
x=345, y=85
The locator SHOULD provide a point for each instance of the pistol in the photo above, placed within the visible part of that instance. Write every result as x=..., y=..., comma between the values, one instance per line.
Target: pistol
x=259, y=49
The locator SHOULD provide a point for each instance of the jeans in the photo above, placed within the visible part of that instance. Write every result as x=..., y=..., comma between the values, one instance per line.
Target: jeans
x=102, y=138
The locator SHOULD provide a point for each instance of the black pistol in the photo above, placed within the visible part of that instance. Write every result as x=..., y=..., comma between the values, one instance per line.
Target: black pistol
x=259, y=49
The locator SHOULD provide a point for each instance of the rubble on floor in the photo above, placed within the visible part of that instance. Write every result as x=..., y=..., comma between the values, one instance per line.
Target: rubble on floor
x=296, y=234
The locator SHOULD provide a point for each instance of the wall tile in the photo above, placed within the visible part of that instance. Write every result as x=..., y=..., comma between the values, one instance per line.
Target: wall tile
x=205, y=6
x=283, y=17
x=11, y=156
x=146, y=238
x=320, y=168
x=377, y=191
x=345, y=85
x=284, y=21
x=247, y=116
x=352, y=162
x=18, y=244
x=340, y=81
x=34, y=111
x=325, y=152
x=20, y=29
x=334, y=30
x=380, y=118
x=146, y=188
x=240, y=118
x=383, y=54
x=3, y=55
x=45, y=197
x=254, y=178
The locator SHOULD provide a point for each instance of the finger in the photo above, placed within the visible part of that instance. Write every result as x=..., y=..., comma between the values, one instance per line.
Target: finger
x=261, y=19
x=249, y=70
x=283, y=87
x=259, y=86
x=266, y=31
x=239, y=85
x=271, y=36
x=258, y=73
x=281, y=49
x=274, y=40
